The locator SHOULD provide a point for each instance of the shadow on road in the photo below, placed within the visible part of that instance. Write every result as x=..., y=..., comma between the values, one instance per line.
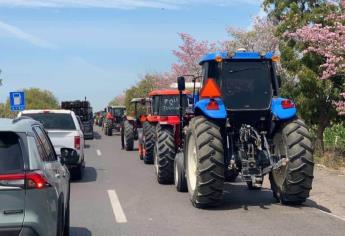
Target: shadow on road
x=96, y=135
x=77, y=231
x=237, y=195
x=90, y=175
x=313, y=204
x=87, y=146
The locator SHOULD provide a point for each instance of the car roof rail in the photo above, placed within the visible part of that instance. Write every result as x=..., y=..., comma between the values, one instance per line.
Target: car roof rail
x=17, y=119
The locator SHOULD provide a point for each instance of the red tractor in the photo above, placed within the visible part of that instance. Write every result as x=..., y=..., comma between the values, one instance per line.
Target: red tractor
x=161, y=132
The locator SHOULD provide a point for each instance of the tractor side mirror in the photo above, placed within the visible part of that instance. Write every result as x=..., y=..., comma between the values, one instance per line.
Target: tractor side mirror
x=181, y=83
x=279, y=79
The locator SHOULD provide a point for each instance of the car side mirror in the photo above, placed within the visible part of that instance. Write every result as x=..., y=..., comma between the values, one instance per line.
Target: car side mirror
x=181, y=83
x=67, y=154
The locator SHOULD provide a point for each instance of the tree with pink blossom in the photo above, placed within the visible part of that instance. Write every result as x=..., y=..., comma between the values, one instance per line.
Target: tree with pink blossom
x=327, y=41
x=260, y=38
x=189, y=54
x=314, y=96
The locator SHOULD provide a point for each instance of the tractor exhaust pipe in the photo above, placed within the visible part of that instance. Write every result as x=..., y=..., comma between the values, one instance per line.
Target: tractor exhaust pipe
x=181, y=85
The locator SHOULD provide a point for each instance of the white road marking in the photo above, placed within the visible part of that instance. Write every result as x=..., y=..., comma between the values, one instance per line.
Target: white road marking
x=120, y=216
x=99, y=152
x=335, y=216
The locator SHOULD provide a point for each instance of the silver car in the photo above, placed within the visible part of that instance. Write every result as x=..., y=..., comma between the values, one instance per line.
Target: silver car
x=34, y=184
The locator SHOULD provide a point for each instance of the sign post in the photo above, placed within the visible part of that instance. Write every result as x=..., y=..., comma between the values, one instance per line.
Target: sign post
x=17, y=101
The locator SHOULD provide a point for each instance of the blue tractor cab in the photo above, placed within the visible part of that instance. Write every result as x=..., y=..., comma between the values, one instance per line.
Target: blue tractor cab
x=241, y=125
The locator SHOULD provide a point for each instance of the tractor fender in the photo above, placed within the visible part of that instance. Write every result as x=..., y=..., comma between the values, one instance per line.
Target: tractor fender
x=200, y=108
x=279, y=112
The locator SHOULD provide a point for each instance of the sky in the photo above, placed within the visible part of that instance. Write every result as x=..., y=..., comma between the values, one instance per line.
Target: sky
x=98, y=48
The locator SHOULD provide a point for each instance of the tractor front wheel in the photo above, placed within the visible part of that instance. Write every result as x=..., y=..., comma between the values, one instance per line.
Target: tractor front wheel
x=204, y=162
x=149, y=132
x=164, y=155
x=128, y=136
x=179, y=173
x=292, y=183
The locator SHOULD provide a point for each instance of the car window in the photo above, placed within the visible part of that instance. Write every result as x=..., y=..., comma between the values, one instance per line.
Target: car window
x=36, y=153
x=54, y=120
x=11, y=157
x=49, y=150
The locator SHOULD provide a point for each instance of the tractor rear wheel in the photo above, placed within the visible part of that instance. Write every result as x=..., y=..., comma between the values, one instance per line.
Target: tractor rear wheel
x=149, y=133
x=110, y=131
x=204, y=162
x=128, y=136
x=292, y=183
x=164, y=155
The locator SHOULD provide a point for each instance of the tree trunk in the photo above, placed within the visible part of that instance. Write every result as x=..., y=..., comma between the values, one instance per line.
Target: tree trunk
x=319, y=139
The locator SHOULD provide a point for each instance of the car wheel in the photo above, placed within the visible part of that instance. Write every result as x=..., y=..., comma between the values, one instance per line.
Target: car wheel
x=67, y=222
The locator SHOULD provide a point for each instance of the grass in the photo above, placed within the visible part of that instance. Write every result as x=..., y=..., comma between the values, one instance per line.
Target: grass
x=334, y=159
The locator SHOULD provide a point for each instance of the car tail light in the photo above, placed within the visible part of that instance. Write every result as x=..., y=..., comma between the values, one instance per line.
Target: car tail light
x=287, y=104
x=77, y=142
x=35, y=180
x=212, y=105
x=210, y=90
x=31, y=180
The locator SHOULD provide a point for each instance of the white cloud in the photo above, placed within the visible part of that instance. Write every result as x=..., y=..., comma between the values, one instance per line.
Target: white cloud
x=20, y=34
x=121, y=4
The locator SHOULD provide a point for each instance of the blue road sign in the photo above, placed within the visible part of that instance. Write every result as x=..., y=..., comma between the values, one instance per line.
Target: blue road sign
x=17, y=101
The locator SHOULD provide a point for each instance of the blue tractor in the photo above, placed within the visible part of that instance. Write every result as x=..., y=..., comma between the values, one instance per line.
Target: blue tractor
x=241, y=125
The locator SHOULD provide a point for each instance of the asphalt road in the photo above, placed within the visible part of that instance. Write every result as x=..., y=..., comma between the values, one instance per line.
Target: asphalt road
x=119, y=195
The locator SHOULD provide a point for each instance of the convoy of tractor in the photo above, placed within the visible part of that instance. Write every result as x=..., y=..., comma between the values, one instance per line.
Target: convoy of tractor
x=236, y=123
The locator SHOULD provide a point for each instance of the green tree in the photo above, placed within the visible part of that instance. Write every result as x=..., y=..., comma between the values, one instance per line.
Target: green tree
x=313, y=96
x=140, y=90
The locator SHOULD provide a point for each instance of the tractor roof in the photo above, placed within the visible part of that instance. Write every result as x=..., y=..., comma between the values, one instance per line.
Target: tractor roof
x=140, y=100
x=241, y=55
x=167, y=92
x=118, y=107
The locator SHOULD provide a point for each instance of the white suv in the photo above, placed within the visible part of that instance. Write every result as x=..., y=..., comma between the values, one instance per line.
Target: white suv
x=65, y=132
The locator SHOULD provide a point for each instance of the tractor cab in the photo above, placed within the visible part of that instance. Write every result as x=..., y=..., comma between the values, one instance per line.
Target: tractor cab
x=247, y=84
x=139, y=109
x=165, y=105
x=117, y=111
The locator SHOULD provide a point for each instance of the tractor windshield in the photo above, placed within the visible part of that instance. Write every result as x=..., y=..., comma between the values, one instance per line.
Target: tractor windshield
x=118, y=111
x=168, y=105
x=246, y=85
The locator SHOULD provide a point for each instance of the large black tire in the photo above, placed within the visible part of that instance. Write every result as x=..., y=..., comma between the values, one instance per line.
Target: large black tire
x=110, y=131
x=149, y=138
x=128, y=136
x=164, y=155
x=179, y=173
x=204, y=159
x=122, y=134
x=292, y=183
